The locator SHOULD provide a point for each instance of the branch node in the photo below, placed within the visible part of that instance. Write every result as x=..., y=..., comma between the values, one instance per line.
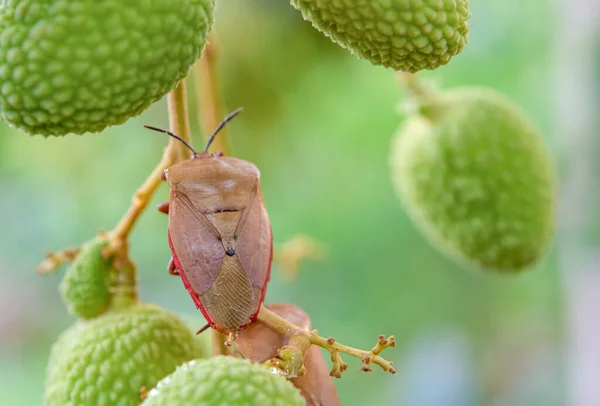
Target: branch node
x=383, y=343
x=290, y=358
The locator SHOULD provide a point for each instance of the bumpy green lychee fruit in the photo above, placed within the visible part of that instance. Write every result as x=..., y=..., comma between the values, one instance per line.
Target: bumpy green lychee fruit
x=224, y=381
x=76, y=66
x=406, y=35
x=106, y=361
x=477, y=179
x=85, y=288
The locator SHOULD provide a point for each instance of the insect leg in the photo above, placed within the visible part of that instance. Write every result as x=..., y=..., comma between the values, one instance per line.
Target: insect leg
x=171, y=268
x=231, y=339
x=163, y=207
x=203, y=329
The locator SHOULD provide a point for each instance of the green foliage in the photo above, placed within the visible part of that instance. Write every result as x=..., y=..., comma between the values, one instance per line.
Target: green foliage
x=107, y=360
x=224, y=381
x=85, y=288
x=401, y=34
x=78, y=66
x=477, y=179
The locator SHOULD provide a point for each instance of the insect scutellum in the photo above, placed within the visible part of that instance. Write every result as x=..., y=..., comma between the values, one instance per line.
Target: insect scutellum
x=222, y=124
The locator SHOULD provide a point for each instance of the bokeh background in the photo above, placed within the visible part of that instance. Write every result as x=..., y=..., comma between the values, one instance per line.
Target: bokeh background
x=318, y=123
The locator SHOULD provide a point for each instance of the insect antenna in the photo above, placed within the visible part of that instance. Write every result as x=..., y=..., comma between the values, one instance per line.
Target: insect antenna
x=221, y=125
x=160, y=130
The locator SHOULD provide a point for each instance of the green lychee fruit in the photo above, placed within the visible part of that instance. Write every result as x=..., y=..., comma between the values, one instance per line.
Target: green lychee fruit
x=224, y=381
x=85, y=288
x=112, y=359
x=478, y=180
x=406, y=35
x=76, y=66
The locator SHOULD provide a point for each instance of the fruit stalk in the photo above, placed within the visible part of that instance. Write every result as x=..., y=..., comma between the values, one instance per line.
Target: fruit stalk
x=422, y=94
x=210, y=113
x=208, y=97
x=124, y=292
x=302, y=340
x=178, y=124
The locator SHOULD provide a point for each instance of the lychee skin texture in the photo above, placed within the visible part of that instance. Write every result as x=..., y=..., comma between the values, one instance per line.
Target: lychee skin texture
x=224, y=381
x=478, y=180
x=107, y=360
x=406, y=35
x=80, y=66
x=85, y=288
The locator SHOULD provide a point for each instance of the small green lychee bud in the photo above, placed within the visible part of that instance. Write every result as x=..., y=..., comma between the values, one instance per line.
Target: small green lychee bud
x=224, y=381
x=85, y=287
x=79, y=66
x=477, y=179
x=112, y=359
x=406, y=35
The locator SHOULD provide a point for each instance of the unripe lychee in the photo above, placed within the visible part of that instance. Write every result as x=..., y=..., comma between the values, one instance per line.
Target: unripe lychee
x=85, y=288
x=406, y=35
x=477, y=179
x=108, y=360
x=224, y=381
x=73, y=66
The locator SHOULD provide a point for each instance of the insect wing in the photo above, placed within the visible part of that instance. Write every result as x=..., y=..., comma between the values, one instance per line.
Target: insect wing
x=254, y=243
x=197, y=249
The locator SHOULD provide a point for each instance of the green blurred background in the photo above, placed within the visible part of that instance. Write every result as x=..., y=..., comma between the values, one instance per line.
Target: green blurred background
x=318, y=123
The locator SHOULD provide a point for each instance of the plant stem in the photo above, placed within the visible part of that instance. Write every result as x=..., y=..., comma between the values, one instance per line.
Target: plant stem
x=124, y=291
x=208, y=96
x=218, y=343
x=210, y=114
x=283, y=326
x=174, y=152
x=426, y=98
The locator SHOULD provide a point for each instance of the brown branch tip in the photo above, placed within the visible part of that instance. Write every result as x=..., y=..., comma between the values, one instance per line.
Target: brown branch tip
x=290, y=357
x=54, y=260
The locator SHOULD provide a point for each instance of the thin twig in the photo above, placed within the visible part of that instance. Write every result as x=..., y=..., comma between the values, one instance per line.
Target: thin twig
x=283, y=326
x=55, y=260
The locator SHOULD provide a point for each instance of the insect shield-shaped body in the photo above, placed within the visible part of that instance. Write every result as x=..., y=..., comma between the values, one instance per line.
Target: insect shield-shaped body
x=220, y=236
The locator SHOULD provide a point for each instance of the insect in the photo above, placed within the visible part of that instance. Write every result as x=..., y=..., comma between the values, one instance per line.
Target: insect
x=219, y=234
